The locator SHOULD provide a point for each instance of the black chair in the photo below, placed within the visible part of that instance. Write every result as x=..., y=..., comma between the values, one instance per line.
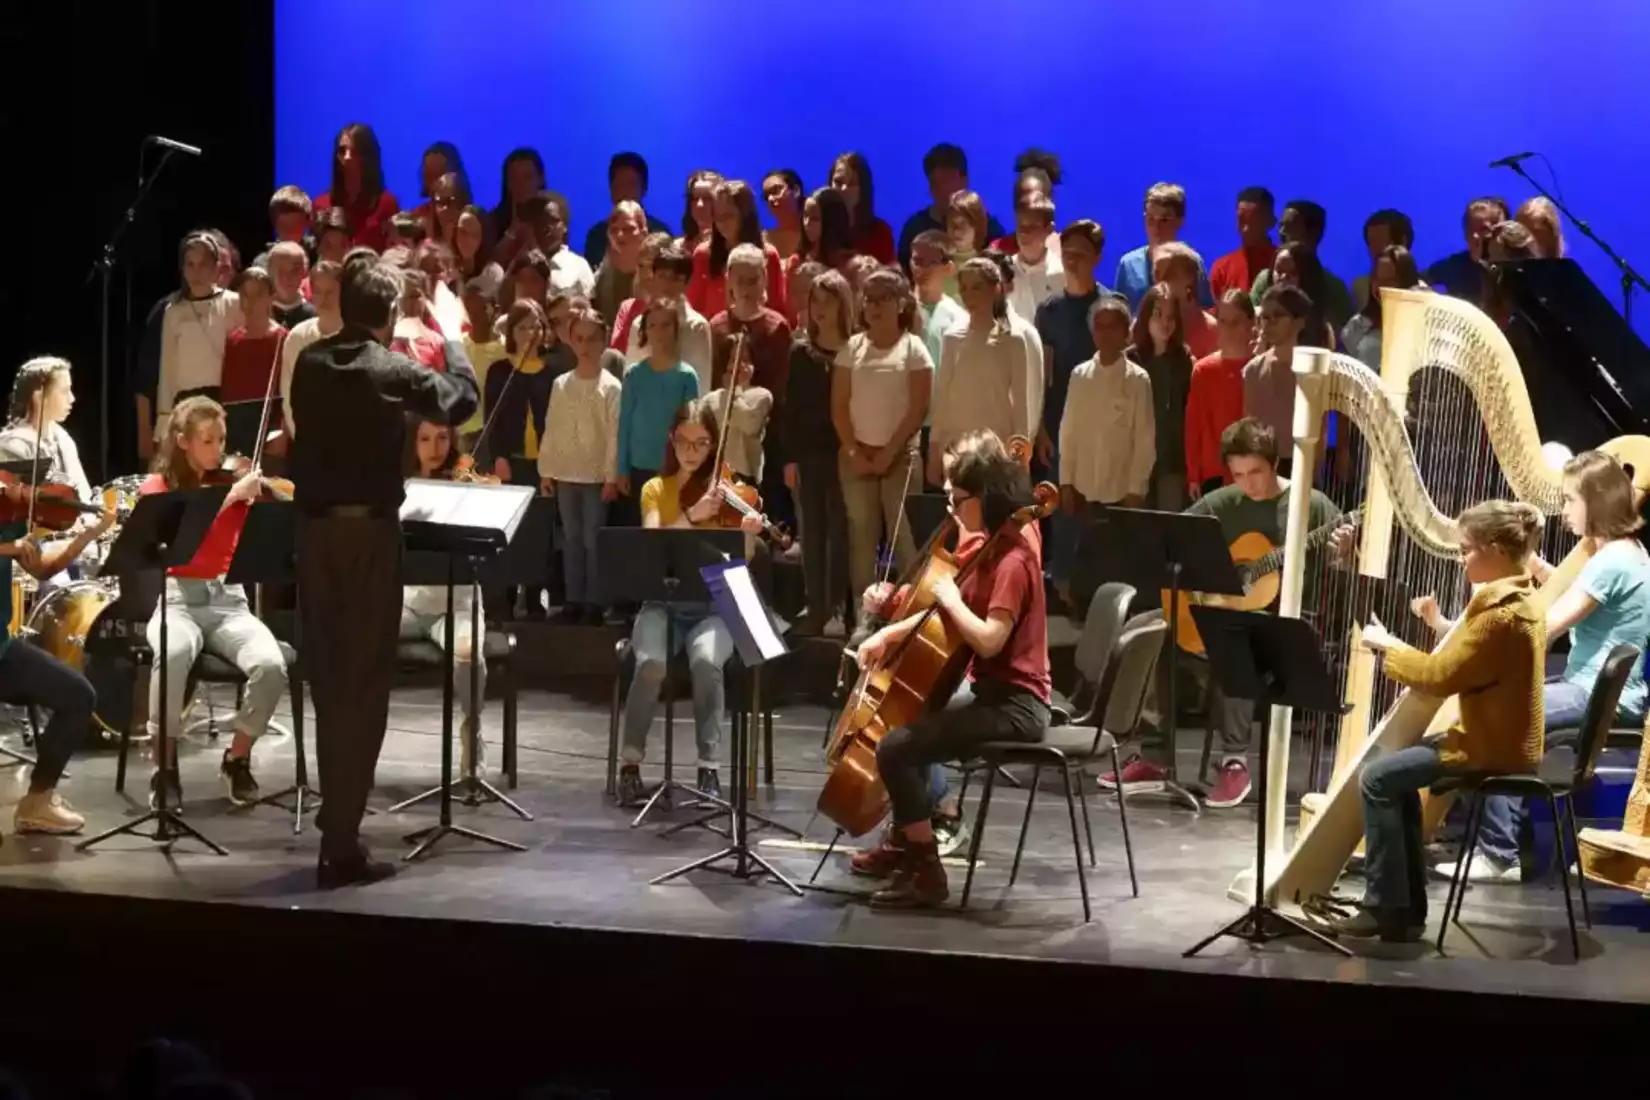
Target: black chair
x=1556, y=780
x=422, y=663
x=1114, y=680
x=210, y=668
x=676, y=676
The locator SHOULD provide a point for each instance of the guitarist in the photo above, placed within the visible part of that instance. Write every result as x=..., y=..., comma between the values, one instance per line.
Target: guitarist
x=1257, y=501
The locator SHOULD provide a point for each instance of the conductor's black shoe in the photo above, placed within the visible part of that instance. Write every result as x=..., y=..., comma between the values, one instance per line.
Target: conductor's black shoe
x=710, y=783
x=1388, y=927
x=355, y=870
x=630, y=785
x=174, y=789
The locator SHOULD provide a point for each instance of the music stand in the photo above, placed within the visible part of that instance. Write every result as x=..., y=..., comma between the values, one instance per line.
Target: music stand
x=746, y=616
x=1278, y=661
x=662, y=565
x=164, y=530
x=267, y=553
x=467, y=525
x=1176, y=551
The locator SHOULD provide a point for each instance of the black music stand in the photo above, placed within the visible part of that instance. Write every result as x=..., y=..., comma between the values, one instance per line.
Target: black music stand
x=466, y=525
x=164, y=530
x=268, y=554
x=745, y=613
x=1177, y=551
x=661, y=565
x=1279, y=661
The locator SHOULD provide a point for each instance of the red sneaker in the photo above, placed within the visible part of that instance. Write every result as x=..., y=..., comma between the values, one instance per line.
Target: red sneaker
x=1231, y=786
x=1140, y=776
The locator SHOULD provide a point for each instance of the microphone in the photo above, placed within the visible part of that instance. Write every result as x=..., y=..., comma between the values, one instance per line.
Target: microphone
x=175, y=146
x=1508, y=162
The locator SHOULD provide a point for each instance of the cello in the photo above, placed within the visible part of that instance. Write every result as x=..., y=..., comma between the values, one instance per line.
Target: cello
x=918, y=675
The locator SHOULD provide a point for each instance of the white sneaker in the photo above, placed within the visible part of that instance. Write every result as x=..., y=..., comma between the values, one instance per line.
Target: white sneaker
x=1486, y=870
x=46, y=812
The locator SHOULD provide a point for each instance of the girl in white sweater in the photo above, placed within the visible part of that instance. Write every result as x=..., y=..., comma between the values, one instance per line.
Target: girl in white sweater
x=984, y=378
x=578, y=458
x=194, y=329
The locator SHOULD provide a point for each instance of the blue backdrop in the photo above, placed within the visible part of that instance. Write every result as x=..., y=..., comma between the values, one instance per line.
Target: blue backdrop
x=1358, y=105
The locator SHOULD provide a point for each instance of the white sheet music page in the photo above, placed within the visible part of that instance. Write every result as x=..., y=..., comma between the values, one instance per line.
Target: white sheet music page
x=753, y=612
x=456, y=504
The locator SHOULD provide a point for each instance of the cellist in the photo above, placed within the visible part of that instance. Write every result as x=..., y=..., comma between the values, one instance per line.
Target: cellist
x=683, y=495
x=999, y=611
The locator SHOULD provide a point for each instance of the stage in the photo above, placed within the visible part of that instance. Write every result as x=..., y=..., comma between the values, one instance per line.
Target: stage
x=472, y=952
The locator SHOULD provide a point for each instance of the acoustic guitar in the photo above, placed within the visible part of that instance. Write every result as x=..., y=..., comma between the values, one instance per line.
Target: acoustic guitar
x=1258, y=562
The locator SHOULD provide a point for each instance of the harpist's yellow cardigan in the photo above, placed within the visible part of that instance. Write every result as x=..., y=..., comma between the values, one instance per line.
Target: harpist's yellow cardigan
x=1495, y=662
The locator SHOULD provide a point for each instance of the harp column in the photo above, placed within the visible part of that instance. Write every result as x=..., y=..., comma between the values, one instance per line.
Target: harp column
x=1311, y=367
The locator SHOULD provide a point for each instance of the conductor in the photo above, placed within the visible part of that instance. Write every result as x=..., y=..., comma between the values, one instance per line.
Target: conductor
x=352, y=395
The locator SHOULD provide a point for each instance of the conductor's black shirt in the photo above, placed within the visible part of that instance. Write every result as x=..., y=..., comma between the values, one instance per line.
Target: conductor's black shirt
x=352, y=396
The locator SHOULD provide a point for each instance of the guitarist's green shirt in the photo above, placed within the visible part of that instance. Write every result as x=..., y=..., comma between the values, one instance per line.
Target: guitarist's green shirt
x=1238, y=515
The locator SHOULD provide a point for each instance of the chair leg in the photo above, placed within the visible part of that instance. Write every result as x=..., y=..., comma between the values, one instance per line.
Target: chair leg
x=1025, y=824
x=1123, y=816
x=1083, y=802
x=1076, y=844
x=1575, y=846
x=767, y=745
x=979, y=832
x=962, y=791
x=1458, y=880
x=1564, y=876
x=613, y=742
x=511, y=727
x=120, y=761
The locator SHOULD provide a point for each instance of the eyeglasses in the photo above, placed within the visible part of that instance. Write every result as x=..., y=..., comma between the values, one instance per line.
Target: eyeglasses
x=696, y=445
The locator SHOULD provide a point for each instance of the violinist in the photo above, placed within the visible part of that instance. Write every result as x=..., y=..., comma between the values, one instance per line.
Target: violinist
x=431, y=454
x=999, y=611
x=681, y=496
x=30, y=676
x=41, y=396
x=203, y=612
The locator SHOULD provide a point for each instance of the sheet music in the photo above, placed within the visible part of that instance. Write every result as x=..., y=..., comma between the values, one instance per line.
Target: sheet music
x=753, y=611
x=457, y=504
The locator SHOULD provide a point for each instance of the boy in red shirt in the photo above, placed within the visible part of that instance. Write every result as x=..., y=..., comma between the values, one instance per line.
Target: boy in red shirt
x=1215, y=400
x=999, y=612
x=1237, y=270
x=252, y=352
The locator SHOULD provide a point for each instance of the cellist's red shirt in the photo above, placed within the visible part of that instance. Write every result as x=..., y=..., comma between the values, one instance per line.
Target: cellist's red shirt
x=1010, y=579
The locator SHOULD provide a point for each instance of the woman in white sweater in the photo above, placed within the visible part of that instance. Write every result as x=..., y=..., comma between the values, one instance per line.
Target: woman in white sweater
x=578, y=458
x=985, y=374
x=194, y=328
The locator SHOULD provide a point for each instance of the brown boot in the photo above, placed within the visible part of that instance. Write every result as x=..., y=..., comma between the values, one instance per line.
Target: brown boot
x=919, y=881
x=883, y=860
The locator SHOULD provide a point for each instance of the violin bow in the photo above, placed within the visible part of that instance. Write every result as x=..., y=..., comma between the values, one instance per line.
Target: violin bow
x=269, y=400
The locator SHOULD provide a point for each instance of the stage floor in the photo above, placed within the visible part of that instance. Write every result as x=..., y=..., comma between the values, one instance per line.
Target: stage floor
x=587, y=868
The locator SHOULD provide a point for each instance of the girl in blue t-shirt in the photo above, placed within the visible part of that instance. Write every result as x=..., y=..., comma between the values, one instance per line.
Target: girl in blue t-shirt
x=652, y=393
x=1608, y=605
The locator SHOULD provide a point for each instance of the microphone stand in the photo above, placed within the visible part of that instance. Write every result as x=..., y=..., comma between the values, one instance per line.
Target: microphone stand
x=1630, y=279
x=104, y=267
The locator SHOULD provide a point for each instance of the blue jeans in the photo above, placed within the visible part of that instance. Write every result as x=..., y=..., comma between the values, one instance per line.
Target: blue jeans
x=708, y=646
x=1395, y=874
x=1564, y=704
x=583, y=512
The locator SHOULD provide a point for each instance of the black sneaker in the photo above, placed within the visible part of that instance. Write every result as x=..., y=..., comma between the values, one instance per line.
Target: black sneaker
x=174, y=789
x=710, y=783
x=237, y=779
x=630, y=786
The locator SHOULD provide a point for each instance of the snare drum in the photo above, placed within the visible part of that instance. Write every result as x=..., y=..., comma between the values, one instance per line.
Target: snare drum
x=63, y=619
x=120, y=496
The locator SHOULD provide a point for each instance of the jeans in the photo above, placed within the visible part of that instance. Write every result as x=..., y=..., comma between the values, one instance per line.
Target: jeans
x=1564, y=704
x=202, y=615
x=583, y=512
x=874, y=505
x=906, y=757
x=824, y=520
x=420, y=625
x=707, y=645
x=30, y=675
x=1394, y=871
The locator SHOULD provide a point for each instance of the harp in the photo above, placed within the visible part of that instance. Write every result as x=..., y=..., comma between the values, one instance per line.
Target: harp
x=1446, y=424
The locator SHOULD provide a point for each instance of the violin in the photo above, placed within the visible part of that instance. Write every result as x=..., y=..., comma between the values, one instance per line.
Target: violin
x=236, y=467
x=464, y=469
x=740, y=500
x=53, y=506
x=919, y=674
